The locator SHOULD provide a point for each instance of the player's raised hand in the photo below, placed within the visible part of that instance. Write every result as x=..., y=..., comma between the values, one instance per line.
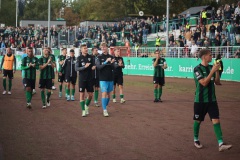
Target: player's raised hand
x=87, y=65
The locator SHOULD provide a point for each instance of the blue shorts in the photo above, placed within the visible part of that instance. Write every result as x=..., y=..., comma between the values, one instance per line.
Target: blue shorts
x=106, y=86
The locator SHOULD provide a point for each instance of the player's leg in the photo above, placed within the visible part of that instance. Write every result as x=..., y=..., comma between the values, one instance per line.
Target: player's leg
x=114, y=89
x=155, y=86
x=4, y=81
x=96, y=92
x=81, y=97
x=120, y=85
x=160, y=90
x=90, y=95
x=49, y=88
x=213, y=112
x=73, y=83
x=67, y=80
x=200, y=110
x=33, y=89
x=60, y=82
x=103, y=87
x=42, y=86
x=109, y=91
x=28, y=92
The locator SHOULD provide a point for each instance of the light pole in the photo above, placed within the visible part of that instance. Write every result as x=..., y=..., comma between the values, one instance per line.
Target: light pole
x=167, y=18
x=49, y=9
x=16, y=12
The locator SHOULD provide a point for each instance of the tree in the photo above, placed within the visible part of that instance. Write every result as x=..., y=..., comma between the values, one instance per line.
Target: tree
x=8, y=12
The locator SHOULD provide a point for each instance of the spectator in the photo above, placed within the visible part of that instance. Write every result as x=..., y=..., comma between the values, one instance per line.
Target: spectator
x=212, y=30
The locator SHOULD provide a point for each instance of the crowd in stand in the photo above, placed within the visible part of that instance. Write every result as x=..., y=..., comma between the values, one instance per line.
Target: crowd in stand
x=223, y=31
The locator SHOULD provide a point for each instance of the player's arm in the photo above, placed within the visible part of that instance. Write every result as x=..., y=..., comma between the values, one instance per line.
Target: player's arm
x=41, y=65
x=204, y=81
x=15, y=64
x=155, y=63
x=2, y=63
x=164, y=65
x=36, y=63
x=93, y=64
x=79, y=67
x=101, y=66
x=23, y=65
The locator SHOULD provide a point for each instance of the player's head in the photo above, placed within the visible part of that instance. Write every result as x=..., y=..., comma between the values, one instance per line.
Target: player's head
x=72, y=53
x=205, y=55
x=94, y=51
x=104, y=47
x=84, y=49
x=30, y=51
x=45, y=51
x=116, y=51
x=157, y=53
x=8, y=50
x=49, y=50
x=64, y=51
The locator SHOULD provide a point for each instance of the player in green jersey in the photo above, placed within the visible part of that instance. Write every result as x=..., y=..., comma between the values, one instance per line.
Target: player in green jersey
x=159, y=65
x=61, y=76
x=46, y=65
x=206, y=76
x=29, y=65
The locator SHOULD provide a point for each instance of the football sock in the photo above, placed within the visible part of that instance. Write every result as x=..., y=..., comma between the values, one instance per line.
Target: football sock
x=196, y=127
x=104, y=103
x=68, y=91
x=114, y=96
x=88, y=101
x=48, y=96
x=218, y=132
x=43, y=97
x=155, y=93
x=108, y=99
x=60, y=88
x=73, y=92
x=96, y=96
x=4, y=83
x=159, y=93
x=82, y=105
x=9, y=84
x=121, y=96
x=28, y=96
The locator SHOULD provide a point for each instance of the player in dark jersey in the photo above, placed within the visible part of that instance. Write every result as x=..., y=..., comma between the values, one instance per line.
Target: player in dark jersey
x=61, y=77
x=95, y=76
x=118, y=75
x=68, y=68
x=105, y=65
x=84, y=65
x=46, y=65
x=206, y=76
x=29, y=65
x=159, y=65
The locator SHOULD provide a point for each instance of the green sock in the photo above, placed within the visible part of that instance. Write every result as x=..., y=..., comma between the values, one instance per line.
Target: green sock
x=73, y=92
x=155, y=93
x=121, y=95
x=4, y=83
x=53, y=83
x=159, y=93
x=96, y=95
x=88, y=101
x=28, y=96
x=218, y=132
x=43, y=97
x=196, y=127
x=68, y=91
x=48, y=96
x=9, y=84
x=82, y=105
x=114, y=96
x=60, y=88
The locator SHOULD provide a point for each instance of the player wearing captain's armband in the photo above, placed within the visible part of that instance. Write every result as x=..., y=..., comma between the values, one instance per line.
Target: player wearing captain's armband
x=159, y=64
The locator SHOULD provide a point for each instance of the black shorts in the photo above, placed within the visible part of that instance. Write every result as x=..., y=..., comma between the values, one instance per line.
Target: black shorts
x=71, y=80
x=8, y=73
x=29, y=83
x=86, y=85
x=118, y=79
x=61, y=78
x=45, y=83
x=201, y=109
x=159, y=80
x=96, y=82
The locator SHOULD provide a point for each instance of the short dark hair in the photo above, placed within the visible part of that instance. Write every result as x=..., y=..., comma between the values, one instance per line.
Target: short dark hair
x=63, y=49
x=83, y=45
x=203, y=52
x=71, y=50
x=94, y=48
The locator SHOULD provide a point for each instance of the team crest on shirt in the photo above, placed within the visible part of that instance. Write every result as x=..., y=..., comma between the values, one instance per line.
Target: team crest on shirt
x=89, y=59
x=66, y=80
x=196, y=116
x=80, y=89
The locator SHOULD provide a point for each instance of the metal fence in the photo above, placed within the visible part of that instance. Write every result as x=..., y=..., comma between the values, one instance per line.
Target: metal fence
x=184, y=52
